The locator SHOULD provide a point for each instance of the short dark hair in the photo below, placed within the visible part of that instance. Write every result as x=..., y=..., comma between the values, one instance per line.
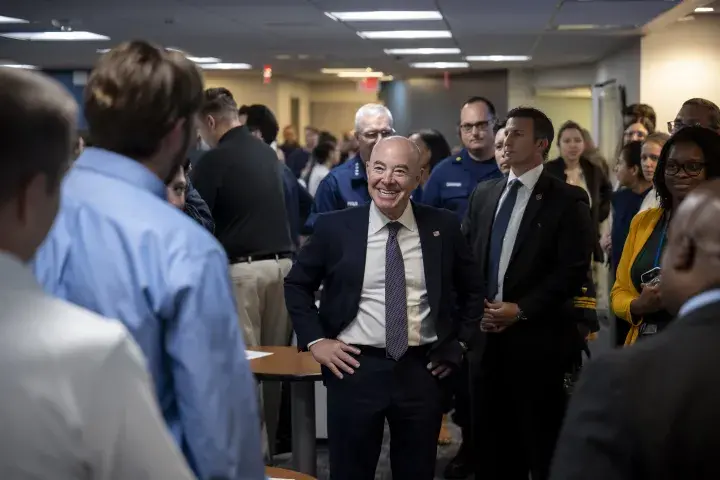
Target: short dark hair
x=479, y=99
x=707, y=140
x=542, y=126
x=327, y=137
x=631, y=154
x=244, y=110
x=322, y=152
x=713, y=110
x=644, y=121
x=33, y=105
x=219, y=101
x=499, y=125
x=437, y=144
x=638, y=111
x=261, y=119
x=569, y=125
x=136, y=94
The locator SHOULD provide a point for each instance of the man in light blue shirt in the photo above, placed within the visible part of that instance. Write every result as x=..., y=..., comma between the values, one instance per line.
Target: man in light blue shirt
x=120, y=249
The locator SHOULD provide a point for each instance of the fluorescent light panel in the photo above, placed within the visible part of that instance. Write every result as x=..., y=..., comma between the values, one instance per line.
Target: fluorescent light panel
x=55, y=36
x=12, y=20
x=360, y=74
x=405, y=34
x=338, y=70
x=422, y=51
x=385, y=16
x=203, y=59
x=226, y=66
x=497, y=58
x=440, y=65
x=704, y=10
x=17, y=65
x=575, y=27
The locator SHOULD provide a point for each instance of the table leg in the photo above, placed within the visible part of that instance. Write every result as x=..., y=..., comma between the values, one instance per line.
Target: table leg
x=304, y=452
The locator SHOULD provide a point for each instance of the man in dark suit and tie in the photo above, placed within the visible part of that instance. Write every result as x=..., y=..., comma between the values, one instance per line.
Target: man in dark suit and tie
x=532, y=236
x=386, y=333
x=651, y=410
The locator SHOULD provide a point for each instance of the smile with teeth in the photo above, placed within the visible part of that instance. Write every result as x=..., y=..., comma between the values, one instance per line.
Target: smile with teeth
x=387, y=193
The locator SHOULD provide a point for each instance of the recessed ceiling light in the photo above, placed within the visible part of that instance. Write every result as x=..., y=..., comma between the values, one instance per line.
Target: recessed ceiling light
x=704, y=10
x=497, y=58
x=405, y=34
x=282, y=57
x=384, y=16
x=225, y=66
x=17, y=65
x=55, y=36
x=102, y=50
x=440, y=65
x=334, y=71
x=303, y=56
x=422, y=51
x=12, y=20
x=585, y=27
x=360, y=74
x=203, y=59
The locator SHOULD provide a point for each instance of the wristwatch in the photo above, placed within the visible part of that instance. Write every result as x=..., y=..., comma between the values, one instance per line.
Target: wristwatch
x=520, y=317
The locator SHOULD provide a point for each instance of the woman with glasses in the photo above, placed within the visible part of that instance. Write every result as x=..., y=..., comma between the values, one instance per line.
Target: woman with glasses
x=689, y=157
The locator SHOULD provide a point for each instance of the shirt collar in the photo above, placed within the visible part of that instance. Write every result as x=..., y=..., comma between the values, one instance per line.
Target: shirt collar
x=529, y=179
x=15, y=275
x=125, y=169
x=699, y=301
x=378, y=220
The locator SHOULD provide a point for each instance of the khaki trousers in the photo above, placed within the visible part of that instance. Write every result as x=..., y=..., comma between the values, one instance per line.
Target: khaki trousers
x=260, y=297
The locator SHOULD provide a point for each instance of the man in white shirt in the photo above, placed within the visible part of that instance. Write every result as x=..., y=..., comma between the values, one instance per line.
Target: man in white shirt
x=76, y=399
x=387, y=332
x=533, y=237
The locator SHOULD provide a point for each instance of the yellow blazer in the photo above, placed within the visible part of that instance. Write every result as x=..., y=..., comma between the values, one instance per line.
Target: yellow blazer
x=623, y=291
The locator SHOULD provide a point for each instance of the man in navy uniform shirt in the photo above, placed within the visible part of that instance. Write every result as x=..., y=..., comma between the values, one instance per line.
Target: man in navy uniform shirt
x=346, y=185
x=449, y=186
x=453, y=180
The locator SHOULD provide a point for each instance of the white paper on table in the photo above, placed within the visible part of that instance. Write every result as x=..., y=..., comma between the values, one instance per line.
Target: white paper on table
x=252, y=355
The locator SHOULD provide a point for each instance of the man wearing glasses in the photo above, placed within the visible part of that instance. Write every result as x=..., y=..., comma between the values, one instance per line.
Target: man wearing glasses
x=449, y=186
x=696, y=112
x=347, y=185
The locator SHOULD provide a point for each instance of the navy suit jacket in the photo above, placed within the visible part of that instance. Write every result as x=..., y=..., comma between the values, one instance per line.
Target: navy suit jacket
x=335, y=257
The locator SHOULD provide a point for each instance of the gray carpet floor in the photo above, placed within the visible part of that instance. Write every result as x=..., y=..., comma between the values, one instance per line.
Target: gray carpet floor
x=445, y=454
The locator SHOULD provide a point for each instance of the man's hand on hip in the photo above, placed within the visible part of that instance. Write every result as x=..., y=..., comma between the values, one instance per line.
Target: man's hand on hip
x=335, y=355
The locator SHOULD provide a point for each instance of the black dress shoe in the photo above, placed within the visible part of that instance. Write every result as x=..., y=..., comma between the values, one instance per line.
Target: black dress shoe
x=459, y=467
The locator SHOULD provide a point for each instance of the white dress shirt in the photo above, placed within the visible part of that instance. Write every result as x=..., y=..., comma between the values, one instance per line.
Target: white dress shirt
x=528, y=179
x=650, y=201
x=77, y=402
x=317, y=173
x=368, y=328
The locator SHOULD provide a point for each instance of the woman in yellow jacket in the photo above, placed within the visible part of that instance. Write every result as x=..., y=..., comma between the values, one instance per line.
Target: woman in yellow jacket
x=690, y=157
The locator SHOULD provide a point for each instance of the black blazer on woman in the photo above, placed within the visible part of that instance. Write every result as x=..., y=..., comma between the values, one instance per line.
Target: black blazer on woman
x=600, y=193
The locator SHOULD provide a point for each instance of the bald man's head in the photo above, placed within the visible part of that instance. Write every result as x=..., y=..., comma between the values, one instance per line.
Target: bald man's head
x=691, y=263
x=394, y=171
x=37, y=136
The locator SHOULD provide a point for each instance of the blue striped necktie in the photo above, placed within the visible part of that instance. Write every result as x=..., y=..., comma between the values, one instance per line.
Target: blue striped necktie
x=497, y=237
x=396, y=318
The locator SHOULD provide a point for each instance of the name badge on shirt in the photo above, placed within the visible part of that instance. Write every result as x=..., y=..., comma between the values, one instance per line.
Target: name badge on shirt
x=453, y=184
x=352, y=204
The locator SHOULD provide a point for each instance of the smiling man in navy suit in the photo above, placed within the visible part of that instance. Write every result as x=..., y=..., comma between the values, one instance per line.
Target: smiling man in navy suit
x=387, y=331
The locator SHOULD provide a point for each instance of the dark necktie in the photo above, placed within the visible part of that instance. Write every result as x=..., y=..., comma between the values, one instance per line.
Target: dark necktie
x=497, y=236
x=396, y=319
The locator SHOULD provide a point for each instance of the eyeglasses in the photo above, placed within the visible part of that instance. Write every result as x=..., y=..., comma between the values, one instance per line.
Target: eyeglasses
x=692, y=169
x=375, y=134
x=676, y=125
x=483, y=125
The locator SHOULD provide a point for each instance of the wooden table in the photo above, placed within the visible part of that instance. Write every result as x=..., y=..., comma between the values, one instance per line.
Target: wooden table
x=286, y=364
x=272, y=472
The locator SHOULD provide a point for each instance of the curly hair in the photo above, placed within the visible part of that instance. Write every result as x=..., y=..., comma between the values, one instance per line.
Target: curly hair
x=707, y=140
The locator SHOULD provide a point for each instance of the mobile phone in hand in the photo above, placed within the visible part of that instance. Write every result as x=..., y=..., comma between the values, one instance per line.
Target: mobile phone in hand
x=651, y=277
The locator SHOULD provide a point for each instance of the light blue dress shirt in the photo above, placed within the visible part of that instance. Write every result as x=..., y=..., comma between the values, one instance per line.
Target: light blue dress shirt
x=120, y=249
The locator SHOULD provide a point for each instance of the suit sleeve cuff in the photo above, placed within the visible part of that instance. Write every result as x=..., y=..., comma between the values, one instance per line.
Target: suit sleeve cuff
x=314, y=342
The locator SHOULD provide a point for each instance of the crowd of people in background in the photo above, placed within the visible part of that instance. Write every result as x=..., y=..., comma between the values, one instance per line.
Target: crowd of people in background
x=499, y=253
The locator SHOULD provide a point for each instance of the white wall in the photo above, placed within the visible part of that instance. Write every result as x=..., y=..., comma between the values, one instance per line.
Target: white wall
x=680, y=62
x=624, y=67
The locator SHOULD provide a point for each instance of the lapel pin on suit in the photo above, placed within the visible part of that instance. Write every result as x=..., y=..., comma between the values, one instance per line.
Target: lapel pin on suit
x=436, y=233
x=538, y=196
